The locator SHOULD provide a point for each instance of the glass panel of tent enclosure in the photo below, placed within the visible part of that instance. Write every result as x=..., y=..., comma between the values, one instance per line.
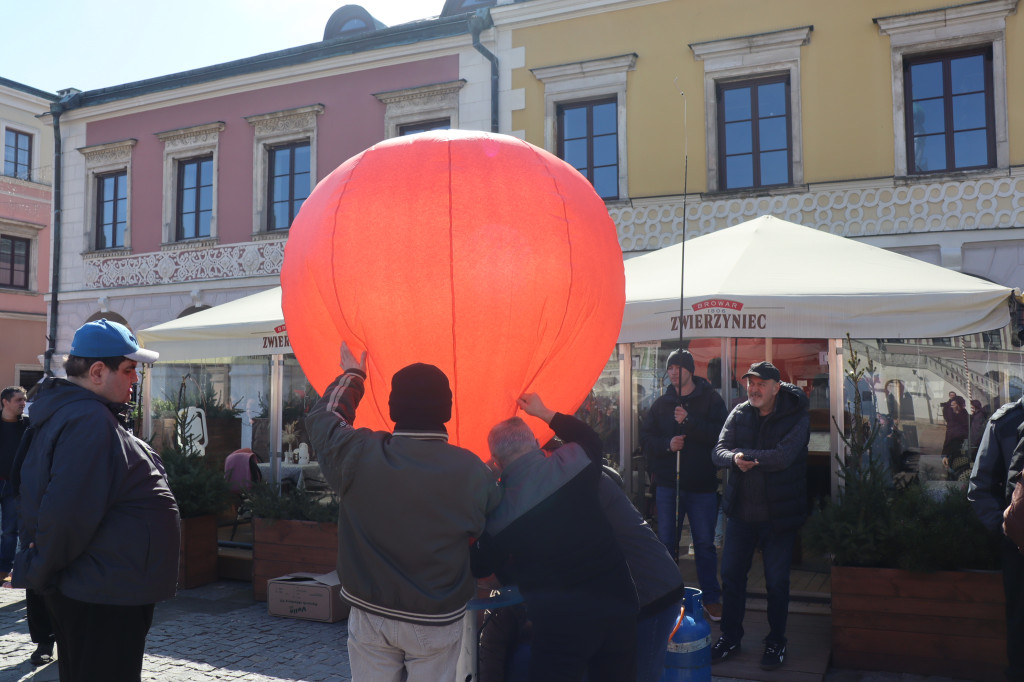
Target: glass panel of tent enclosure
x=930, y=397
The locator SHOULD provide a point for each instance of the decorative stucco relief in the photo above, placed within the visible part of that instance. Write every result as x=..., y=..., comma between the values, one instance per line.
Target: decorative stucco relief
x=852, y=211
x=175, y=267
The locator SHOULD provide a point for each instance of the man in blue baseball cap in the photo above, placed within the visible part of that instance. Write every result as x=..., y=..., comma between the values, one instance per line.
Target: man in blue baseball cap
x=99, y=525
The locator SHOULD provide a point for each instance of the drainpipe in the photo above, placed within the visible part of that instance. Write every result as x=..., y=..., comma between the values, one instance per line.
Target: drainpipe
x=69, y=100
x=480, y=21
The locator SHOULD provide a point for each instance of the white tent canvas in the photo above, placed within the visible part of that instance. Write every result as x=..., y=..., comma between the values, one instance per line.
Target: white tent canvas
x=253, y=325
x=772, y=278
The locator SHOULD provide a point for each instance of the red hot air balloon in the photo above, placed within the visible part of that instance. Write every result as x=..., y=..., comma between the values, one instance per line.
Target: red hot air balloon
x=476, y=252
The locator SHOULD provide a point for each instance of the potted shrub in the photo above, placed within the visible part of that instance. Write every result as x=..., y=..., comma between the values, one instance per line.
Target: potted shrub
x=914, y=585
x=293, y=530
x=202, y=493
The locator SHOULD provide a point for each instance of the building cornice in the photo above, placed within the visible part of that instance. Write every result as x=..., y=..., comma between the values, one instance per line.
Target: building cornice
x=539, y=12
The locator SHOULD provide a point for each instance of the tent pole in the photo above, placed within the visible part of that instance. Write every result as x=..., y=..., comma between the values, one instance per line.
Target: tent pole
x=276, y=407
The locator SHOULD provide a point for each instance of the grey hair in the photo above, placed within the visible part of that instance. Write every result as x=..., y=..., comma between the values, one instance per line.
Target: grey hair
x=510, y=439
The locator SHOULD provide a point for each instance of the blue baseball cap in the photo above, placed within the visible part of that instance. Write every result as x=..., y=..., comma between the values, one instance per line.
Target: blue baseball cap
x=106, y=339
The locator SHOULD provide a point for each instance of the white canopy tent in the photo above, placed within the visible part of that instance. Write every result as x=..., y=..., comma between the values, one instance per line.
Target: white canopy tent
x=252, y=325
x=771, y=278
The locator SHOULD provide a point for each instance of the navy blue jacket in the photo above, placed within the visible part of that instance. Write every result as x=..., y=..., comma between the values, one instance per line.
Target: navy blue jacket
x=706, y=414
x=779, y=444
x=988, y=488
x=95, y=501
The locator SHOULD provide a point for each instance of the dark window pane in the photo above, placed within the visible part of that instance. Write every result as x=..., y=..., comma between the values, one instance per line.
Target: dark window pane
x=604, y=118
x=930, y=153
x=970, y=149
x=188, y=199
x=926, y=80
x=967, y=74
x=929, y=117
x=207, y=171
x=108, y=188
x=204, y=224
x=122, y=186
x=108, y=213
x=606, y=182
x=188, y=178
x=774, y=168
x=969, y=111
x=773, y=134
x=605, y=150
x=739, y=171
x=736, y=104
x=575, y=153
x=298, y=205
x=771, y=99
x=302, y=158
x=574, y=123
x=738, y=138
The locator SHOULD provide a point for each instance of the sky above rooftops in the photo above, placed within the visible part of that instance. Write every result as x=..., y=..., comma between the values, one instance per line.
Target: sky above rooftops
x=92, y=44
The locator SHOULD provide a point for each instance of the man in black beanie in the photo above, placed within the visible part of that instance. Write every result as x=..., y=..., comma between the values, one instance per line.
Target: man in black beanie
x=410, y=503
x=678, y=435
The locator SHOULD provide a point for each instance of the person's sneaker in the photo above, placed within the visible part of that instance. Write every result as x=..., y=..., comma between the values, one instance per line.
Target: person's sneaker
x=43, y=654
x=723, y=649
x=713, y=611
x=774, y=655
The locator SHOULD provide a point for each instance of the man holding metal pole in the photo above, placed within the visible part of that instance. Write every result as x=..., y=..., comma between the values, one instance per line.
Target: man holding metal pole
x=678, y=436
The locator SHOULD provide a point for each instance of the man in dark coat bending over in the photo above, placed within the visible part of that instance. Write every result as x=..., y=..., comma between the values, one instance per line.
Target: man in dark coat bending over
x=764, y=444
x=552, y=529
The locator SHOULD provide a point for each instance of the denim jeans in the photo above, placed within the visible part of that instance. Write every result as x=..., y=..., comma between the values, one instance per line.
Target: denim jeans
x=702, y=510
x=652, y=635
x=741, y=541
x=386, y=650
x=8, y=526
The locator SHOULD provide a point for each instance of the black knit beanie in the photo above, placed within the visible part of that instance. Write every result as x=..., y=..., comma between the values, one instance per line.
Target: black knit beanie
x=421, y=398
x=681, y=358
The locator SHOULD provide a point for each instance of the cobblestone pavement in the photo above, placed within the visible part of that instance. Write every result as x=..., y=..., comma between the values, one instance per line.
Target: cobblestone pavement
x=218, y=632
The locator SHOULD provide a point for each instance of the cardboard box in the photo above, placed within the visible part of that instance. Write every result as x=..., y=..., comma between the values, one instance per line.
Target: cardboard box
x=307, y=596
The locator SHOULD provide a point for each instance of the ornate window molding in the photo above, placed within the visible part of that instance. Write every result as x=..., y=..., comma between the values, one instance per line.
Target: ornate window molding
x=272, y=129
x=747, y=57
x=588, y=80
x=101, y=159
x=179, y=145
x=422, y=103
x=951, y=28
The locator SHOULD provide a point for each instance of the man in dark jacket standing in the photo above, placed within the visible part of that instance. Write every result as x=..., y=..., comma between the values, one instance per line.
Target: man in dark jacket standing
x=764, y=444
x=99, y=525
x=410, y=504
x=12, y=424
x=989, y=494
x=681, y=430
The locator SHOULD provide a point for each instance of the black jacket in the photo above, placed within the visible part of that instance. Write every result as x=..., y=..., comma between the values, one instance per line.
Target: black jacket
x=705, y=416
x=779, y=444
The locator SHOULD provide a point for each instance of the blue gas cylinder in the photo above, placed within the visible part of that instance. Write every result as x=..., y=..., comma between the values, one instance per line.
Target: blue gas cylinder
x=689, y=649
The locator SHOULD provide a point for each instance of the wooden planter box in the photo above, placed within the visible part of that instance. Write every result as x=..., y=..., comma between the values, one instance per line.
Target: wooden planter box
x=280, y=547
x=197, y=558
x=950, y=623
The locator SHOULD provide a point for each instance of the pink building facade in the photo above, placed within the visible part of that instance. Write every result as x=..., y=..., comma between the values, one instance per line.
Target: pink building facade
x=25, y=189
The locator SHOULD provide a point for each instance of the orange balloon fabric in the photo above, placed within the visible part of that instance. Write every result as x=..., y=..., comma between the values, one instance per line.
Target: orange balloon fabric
x=476, y=252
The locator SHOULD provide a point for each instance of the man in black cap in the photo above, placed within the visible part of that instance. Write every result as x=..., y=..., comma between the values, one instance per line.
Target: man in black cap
x=764, y=444
x=410, y=503
x=678, y=435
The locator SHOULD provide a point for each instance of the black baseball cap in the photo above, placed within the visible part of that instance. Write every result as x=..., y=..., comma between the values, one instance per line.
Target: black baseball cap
x=764, y=370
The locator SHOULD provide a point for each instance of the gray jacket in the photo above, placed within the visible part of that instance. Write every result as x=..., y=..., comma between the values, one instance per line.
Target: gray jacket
x=95, y=501
x=987, y=489
x=410, y=503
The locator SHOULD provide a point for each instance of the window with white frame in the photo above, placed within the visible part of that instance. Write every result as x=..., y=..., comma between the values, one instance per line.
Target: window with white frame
x=585, y=119
x=424, y=107
x=190, y=183
x=17, y=154
x=284, y=168
x=752, y=118
x=108, y=195
x=19, y=244
x=949, y=87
